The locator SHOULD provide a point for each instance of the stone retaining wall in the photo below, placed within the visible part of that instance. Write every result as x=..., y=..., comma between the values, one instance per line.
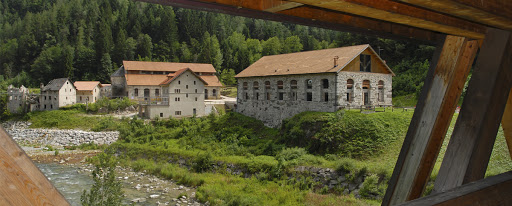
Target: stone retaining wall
x=55, y=137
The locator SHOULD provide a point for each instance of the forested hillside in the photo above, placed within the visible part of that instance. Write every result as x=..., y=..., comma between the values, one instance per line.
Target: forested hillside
x=87, y=40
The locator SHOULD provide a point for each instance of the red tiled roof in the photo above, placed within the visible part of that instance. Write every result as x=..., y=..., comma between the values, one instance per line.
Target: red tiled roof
x=86, y=85
x=145, y=79
x=212, y=81
x=309, y=62
x=167, y=66
x=178, y=73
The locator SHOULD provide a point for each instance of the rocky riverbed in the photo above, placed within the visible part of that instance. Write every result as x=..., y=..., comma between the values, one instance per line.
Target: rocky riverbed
x=139, y=188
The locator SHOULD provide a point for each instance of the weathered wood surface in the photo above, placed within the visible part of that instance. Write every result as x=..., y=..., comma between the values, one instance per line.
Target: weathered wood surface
x=496, y=13
x=22, y=182
x=506, y=123
x=431, y=120
x=470, y=146
x=496, y=190
x=280, y=6
x=309, y=16
x=403, y=14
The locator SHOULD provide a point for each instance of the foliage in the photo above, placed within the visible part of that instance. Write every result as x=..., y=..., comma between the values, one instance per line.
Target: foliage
x=62, y=119
x=371, y=187
x=106, y=190
x=409, y=100
x=110, y=104
x=350, y=133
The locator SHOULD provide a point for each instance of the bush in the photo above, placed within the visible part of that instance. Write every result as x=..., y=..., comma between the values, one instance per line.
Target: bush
x=203, y=162
x=291, y=153
x=106, y=189
x=371, y=188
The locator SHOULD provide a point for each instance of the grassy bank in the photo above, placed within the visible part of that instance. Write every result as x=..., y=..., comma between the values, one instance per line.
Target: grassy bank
x=186, y=149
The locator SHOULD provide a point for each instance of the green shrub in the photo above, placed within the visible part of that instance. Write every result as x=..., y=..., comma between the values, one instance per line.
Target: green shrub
x=106, y=190
x=371, y=187
x=291, y=153
x=203, y=162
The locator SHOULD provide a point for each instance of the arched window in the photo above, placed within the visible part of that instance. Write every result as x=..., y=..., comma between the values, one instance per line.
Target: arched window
x=280, y=85
x=350, y=83
x=381, y=84
x=309, y=83
x=146, y=92
x=366, y=84
x=157, y=92
x=136, y=91
x=267, y=85
x=256, y=85
x=245, y=85
x=325, y=83
x=293, y=84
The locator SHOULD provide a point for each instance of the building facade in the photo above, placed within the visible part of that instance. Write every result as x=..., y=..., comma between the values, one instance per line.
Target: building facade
x=180, y=95
x=87, y=91
x=280, y=86
x=126, y=79
x=17, y=99
x=58, y=93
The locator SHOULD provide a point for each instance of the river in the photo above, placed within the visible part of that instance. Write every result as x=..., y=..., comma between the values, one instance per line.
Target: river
x=72, y=180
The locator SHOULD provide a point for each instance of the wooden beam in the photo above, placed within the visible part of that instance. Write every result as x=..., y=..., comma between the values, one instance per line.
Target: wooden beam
x=281, y=5
x=371, y=26
x=403, y=14
x=470, y=146
x=22, y=182
x=316, y=17
x=494, y=190
x=489, y=12
x=506, y=123
x=431, y=119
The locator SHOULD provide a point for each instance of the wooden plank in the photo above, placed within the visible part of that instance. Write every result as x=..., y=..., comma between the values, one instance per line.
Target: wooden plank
x=311, y=17
x=470, y=146
x=431, y=120
x=281, y=5
x=506, y=123
x=494, y=190
x=21, y=175
x=403, y=14
x=489, y=12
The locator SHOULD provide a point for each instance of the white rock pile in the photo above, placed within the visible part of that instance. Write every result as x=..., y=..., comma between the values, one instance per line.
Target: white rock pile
x=55, y=137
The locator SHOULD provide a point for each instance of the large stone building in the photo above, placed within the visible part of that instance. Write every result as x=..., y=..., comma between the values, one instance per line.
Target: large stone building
x=124, y=80
x=58, y=93
x=87, y=91
x=179, y=95
x=280, y=86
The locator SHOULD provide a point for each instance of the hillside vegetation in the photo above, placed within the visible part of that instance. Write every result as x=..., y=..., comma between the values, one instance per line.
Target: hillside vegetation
x=200, y=151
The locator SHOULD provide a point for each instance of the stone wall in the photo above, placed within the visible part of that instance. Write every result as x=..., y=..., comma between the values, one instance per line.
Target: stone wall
x=253, y=102
x=21, y=133
x=357, y=89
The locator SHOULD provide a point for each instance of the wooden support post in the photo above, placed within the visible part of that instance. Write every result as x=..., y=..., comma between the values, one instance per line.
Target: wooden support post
x=470, y=147
x=443, y=86
x=489, y=191
x=506, y=123
x=22, y=182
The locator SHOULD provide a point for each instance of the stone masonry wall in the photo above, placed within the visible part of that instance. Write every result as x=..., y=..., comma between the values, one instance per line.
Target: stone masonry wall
x=357, y=90
x=21, y=133
x=253, y=102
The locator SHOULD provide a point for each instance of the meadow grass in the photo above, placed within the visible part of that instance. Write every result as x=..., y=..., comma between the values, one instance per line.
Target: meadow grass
x=265, y=153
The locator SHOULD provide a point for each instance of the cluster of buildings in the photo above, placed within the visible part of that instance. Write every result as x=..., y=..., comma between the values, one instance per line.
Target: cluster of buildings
x=272, y=89
x=162, y=89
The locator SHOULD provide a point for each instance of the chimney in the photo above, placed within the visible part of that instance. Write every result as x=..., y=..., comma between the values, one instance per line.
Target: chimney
x=41, y=86
x=336, y=60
